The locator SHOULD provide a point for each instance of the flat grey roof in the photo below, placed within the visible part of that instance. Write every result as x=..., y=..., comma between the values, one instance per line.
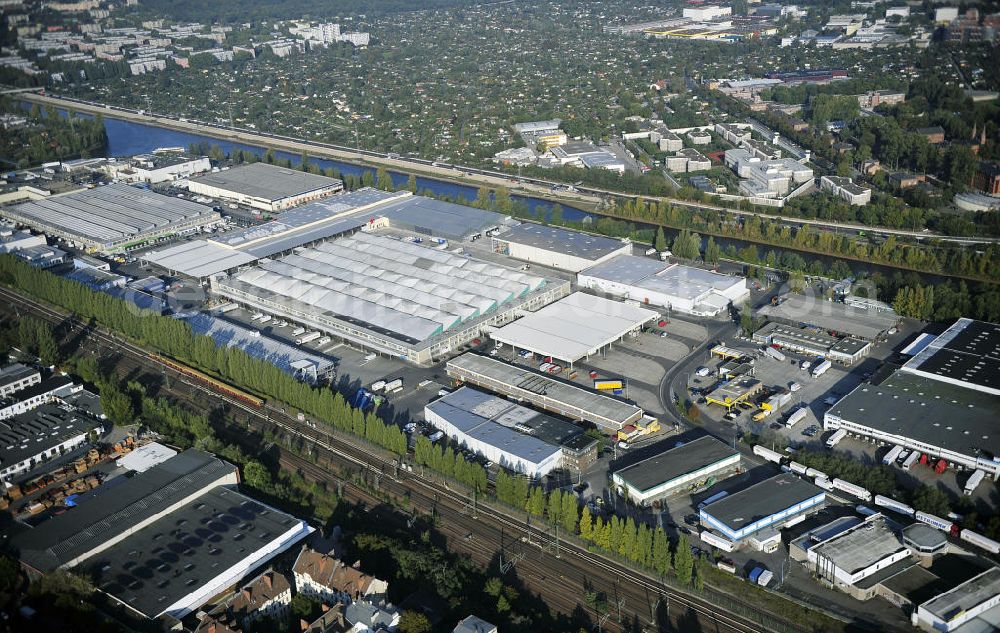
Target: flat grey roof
x=199, y=258
x=830, y=315
x=438, y=218
x=965, y=596
x=928, y=411
x=552, y=238
x=845, y=345
x=176, y=555
x=112, y=509
x=494, y=421
x=14, y=372
x=267, y=182
x=675, y=462
x=967, y=353
x=674, y=280
x=109, y=213
x=598, y=408
x=306, y=215
x=28, y=434
x=761, y=500
x=861, y=546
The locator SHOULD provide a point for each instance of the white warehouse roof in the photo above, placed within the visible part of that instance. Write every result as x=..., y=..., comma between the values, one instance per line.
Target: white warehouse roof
x=408, y=291
x=574, y=327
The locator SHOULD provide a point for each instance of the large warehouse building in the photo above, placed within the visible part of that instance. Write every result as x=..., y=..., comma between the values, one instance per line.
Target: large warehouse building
x=390, y=295
x=112, y=218
x=265, y=187
x=575, y=327
x=557, y=247
x=515, y=437
x=325, y=219
x=942, y=402
x=832, y=316
x=608, y=414
x=771, y=503
x=653, y=282
x=165, y=541
x=676, y=470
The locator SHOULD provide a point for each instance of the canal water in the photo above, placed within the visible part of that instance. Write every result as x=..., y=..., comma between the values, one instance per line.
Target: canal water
x=127, y=138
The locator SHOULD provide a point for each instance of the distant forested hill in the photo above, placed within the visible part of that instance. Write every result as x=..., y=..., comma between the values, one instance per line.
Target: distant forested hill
x=232, y=11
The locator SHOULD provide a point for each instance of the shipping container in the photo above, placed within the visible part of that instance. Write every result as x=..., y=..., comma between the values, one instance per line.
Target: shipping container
x=307, y=338
x=852, y=489
x=834, y=439
x=797, y=416
x=980, y=541
x=775, y=354
x=974, y=481
x=299, y=330
x=726, y=565
x=823, y=483
x=717, y=541
x=812, y=472
x=607, y=385
x=896, y=506
x=378, y=385
x=797, y=468
x=936, y=522
x=821, y=368
x=890, y=457
x=394, y=385
x=768, y=454
x=911, y=460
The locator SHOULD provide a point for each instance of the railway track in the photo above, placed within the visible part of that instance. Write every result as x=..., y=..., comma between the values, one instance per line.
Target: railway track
x=558, y=575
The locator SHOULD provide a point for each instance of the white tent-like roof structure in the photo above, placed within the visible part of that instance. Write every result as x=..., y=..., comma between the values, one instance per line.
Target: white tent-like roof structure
x=577, y=326
x=392, y=285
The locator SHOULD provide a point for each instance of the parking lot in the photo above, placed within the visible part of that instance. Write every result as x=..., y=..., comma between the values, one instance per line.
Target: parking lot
x=815, y=394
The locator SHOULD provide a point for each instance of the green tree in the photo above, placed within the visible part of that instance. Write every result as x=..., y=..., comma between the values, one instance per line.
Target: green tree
x=383, y=180
x=536, y=502
x=660, y=243
x=411, y=184
x=586, y=524
x=413, y=622
x=712, y=251
x=482, y=200
x=569, y=513
x=504, y=202
x=661, y=551
x=683, y=560
x=931, y=500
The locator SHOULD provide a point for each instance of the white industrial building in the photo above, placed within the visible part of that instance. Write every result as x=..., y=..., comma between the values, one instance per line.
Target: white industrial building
x=390, y=295
x=496, y=428
x=942, y=403
x=676, y=470
x=706, y=12
x=111, y=218
x=556, y=247
x=850, y=556
x=265, y=187
x=157, y=167
x=674, y=286
x=574, y=327
x=973, y=603
x=846, y=189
